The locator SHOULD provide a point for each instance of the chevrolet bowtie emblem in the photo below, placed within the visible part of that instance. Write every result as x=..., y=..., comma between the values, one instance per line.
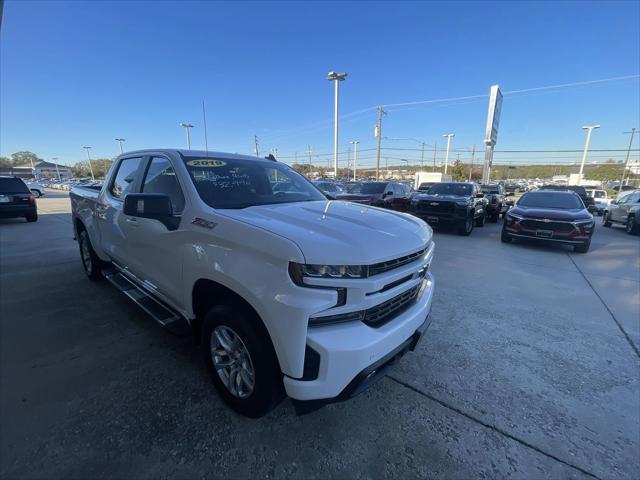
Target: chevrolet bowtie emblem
x=546, y=220
x=433, y=204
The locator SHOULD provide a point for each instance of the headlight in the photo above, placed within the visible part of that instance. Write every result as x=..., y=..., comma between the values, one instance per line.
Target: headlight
x=299, y=271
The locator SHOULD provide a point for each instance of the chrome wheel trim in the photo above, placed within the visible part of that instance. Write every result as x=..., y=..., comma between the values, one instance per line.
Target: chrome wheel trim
x=86, y=255
x=232, y=361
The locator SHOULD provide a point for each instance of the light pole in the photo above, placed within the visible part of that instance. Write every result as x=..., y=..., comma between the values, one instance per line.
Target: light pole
x=626, y=162
x=187, y=126
x=355, y=157
x=589, y=129
x=55, y=162
x=336, y=78
x=89, y=159
x=446, y=159
x=120, y=141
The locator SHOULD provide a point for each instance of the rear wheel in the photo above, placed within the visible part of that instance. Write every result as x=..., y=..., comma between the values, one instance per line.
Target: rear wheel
x=32, y=217
x=632, y=227
x=605, y=219
x=495, y=216
x=467, y=227
x=482, y=219
x=241, y=360
x=90, y=262
x=36, y=193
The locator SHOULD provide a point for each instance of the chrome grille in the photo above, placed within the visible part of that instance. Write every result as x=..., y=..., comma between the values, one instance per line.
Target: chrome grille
x=429, y=206
x=382, y=267
x=381, y=314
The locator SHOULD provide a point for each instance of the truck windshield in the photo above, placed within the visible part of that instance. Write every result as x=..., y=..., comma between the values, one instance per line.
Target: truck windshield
x=239, y=183
x=550, y=200
x=490, y=189
x=458, y=189
x=372, y=188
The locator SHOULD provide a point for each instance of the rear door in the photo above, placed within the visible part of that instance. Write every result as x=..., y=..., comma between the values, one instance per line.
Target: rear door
x=618, y=211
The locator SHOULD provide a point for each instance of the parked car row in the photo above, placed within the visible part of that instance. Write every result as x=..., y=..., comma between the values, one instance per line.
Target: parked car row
x=67, y=185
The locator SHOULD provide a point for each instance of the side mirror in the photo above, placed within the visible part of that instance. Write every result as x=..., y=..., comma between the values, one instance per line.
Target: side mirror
x=330, y=196
x=156, y=206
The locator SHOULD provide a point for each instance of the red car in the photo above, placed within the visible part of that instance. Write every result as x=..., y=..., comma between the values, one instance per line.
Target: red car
x=550, y=216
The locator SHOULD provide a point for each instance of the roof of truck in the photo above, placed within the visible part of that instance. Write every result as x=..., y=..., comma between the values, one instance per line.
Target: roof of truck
x=193, y=153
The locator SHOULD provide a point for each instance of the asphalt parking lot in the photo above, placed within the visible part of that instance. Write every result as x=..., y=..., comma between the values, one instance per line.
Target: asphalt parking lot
x=530, y=369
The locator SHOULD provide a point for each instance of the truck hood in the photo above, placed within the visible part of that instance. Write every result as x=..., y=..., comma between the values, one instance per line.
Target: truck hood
x=340, y=233
x=426, y=197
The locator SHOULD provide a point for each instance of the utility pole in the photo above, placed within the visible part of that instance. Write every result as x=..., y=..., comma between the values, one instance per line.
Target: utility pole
x=473, y=157
x=336, y=78
x=187, y=126
x=120, y=141
x=589, y=129
x=446, y=160
x=422, y=158
x=89, y=158
x=378, y=133
x=355, y=157
x=255, y=143
x=435, y=149
x=309, y=152
x=626, y=162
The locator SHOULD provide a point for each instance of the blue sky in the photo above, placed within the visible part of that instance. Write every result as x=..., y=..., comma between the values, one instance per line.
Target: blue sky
x=83, y=73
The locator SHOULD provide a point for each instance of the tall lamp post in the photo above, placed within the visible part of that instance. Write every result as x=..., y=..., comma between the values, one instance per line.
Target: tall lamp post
x=89, y=159
x=336, y=78
x=120, y=141
x=55, y=162
x=355, y=157
x=187, y=126
x=589, y=129
x=626, y=162
x=446, y=159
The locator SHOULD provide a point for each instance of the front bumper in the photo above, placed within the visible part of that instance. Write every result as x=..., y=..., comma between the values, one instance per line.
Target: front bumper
x=455, y=216
x=352, y=354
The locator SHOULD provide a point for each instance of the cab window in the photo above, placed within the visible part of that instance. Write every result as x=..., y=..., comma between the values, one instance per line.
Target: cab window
x=124, y=180
x=161, y=178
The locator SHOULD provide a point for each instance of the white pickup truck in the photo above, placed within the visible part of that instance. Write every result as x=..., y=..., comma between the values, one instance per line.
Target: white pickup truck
x=288, y=292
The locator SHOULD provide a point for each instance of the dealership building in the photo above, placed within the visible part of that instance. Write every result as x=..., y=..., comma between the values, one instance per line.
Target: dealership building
x=41, y=169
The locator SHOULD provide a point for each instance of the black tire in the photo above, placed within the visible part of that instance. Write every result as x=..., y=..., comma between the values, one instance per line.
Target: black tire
x=584, y=248
x=605, y=220
x=505, y=237
x=495, y=216
x=480, y=221
x=91, y=264
x=268, y=389
x=632, y=228
x=467, y=227
x=32, y=217
x=36, y=193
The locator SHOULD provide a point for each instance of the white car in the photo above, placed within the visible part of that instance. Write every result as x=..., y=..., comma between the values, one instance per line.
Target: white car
x=286, y=290
x=36, y=189
x=601, y=199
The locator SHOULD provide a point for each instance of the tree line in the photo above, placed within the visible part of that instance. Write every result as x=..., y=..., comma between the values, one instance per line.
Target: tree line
x=80, y=169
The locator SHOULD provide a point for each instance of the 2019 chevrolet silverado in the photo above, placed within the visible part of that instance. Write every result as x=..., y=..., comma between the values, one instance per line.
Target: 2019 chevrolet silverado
x=550, y=216
x=624, y=210
x=458, y=204
x=287, y=291
x=16, y=200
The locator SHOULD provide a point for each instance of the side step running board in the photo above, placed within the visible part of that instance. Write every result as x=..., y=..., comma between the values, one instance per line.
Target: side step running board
x=159, y=311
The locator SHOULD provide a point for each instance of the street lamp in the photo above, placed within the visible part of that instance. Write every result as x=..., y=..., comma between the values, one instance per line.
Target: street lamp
x=446, y=160
x=89, y=158
x=120, y=141
x=589, y=129
x=336, y=78
x=187, y=126
x=55, y=162
x=355, y=157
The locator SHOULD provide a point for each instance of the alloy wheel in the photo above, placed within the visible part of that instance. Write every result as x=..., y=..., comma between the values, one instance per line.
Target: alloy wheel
x=232, y=361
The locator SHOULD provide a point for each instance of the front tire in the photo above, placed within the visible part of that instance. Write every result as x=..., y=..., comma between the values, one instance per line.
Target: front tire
x=241, y=360
x=31, y=217
x=632, y=228
x=467, y=227
x=584, y=248
x=505, y=237
x=90, y=262
x=605, y=220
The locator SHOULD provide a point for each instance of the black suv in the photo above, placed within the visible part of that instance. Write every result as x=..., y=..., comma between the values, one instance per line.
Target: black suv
x=589, y=202
x=496, y=204
x=16, y=200
x=458, y=204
